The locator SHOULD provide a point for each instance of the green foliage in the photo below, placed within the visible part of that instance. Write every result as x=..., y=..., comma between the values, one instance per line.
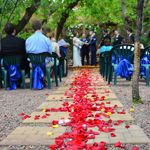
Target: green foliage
x=88, y=12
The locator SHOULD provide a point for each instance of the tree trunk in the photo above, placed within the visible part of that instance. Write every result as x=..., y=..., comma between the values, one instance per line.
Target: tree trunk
x=64, y=16
x=135, y=82
x=27, y=16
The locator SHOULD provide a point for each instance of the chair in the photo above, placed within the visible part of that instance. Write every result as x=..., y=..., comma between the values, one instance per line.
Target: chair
x=64, y=62
x=57, y=69
x=123, y=51
x=146, y=53
x=12, y=59
x=39, y=60
x=1, y=78
x=105, y=62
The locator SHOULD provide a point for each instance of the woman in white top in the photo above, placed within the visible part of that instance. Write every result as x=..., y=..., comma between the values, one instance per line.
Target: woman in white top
x=77, y=44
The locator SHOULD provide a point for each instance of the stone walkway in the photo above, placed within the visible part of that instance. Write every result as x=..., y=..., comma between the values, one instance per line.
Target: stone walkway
x=38, y=128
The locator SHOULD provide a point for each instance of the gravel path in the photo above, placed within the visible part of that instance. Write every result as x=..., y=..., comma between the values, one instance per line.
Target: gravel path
x=141, y=111
x=13, y=103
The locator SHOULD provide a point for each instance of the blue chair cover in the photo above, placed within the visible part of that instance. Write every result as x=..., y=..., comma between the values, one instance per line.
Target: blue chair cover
x=14, y=76
x=124, y=69
x=144, y=61
x=38, y=76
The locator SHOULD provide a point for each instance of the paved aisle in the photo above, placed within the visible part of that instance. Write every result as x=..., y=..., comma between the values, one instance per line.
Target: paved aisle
x=101, y=118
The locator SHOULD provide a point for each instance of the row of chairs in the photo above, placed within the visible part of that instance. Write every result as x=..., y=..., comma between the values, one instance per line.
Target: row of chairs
x=38, y=60
x=108, y=67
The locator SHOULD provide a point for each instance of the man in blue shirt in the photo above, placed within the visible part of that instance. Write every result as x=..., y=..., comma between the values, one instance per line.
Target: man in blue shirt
x=38, y=42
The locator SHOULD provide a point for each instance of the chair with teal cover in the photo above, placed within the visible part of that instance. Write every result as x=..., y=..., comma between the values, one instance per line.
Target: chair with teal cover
x=39, y=60
x=12, y=59
x=146, y=53
x=118, y=53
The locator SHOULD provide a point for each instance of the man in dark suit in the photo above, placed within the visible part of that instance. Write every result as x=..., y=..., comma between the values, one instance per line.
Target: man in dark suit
x=92, y=45
x=85, y=49
x=131, y=36
x=106, y=39
x=118, y=38
x=12, y=44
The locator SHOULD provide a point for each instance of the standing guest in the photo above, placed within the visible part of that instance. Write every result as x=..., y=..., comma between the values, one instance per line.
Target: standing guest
x=38, y=43
x=131, y=36
x=118, y=39
x=85, y=49
x=106, y=39
x=92, y=45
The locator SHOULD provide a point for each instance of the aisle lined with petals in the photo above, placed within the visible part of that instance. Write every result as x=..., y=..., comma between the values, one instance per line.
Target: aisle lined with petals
x=83, y=113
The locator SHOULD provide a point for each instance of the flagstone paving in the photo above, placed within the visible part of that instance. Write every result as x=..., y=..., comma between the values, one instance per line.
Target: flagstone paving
x=114, y=117
x=58, y=97
x=43, y=135
x=133, y=135
x=48, y=119
x=56, y=104
x=33, y=136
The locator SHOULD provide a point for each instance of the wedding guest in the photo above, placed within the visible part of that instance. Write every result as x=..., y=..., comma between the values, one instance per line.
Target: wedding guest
x=55, y=46
x=85, y=49
x=118, y=39
x=38, y=42
x=92, y=46
x=12, y=44
x=131, y=36
x=106, y=39
x=63, y=45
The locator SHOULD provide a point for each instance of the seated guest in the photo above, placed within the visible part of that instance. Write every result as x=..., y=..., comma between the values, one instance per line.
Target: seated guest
x=118, y=39
x=38, y=43
x=63, y=45
x=13, y=45
x=54, y=44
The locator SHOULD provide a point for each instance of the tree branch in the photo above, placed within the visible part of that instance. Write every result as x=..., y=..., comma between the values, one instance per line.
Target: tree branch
x=64, y=16
x=27, y=16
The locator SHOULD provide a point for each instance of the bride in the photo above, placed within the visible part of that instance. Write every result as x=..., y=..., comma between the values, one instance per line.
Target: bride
x=77, y=44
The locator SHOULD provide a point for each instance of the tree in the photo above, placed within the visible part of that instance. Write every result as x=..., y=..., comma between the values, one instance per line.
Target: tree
x=135, y=82
x=28, y=14
x=64, y=16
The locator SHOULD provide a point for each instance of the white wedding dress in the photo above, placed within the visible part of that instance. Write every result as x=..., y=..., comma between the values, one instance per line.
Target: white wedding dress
x=77, y=44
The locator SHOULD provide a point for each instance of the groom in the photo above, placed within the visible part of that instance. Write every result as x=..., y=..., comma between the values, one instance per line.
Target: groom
x=92, y=45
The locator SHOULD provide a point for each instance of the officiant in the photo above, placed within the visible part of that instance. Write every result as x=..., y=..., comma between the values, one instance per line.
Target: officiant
x=85, y=49
x=92, y=45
